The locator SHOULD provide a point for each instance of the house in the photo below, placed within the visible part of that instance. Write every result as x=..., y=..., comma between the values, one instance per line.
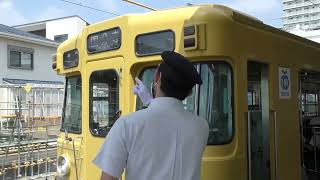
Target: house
x=26, y=58
x=59, y=29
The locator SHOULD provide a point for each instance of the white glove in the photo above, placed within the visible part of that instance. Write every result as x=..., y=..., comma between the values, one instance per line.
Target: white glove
x=141, y=90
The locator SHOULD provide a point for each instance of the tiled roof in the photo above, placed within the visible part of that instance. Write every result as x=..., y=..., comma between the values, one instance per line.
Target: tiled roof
x=14, y=31
x=25, y=81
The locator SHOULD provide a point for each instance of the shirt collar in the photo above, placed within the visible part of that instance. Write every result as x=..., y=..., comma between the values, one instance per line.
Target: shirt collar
x=165, y=101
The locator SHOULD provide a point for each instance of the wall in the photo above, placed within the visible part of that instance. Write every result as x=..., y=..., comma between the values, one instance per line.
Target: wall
x=71, y=26
x=42, y=63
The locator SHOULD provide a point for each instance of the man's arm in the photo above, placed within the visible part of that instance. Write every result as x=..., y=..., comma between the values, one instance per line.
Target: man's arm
x=113, y=154
x=105, y=176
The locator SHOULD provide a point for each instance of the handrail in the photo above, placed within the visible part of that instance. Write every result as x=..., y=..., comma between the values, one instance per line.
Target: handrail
x=275, y=143
x=74, y=155
x=247, y=114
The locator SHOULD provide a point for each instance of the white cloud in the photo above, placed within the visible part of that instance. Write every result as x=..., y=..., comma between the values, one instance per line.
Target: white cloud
x=9, y=15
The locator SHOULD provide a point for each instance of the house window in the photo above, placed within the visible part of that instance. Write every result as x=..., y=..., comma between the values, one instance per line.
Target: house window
x=20, y=57
x=60, y=38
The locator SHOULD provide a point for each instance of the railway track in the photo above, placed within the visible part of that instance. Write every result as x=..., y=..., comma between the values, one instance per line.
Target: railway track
x=30, y=153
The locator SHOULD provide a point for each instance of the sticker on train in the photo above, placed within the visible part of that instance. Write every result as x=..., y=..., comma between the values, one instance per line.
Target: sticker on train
x=284, y=83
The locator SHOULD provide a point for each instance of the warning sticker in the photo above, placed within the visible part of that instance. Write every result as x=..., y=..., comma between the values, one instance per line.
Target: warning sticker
x=284, y=83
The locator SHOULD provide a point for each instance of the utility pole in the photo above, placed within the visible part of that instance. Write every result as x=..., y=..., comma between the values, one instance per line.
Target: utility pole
x=139, y=4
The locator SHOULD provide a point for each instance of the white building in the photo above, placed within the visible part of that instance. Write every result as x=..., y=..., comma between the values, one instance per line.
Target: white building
x=303, y=13
x=26, y=58
x=313, y=35
x=59, y=29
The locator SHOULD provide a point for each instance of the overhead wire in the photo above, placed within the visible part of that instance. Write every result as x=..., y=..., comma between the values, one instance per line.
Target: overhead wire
x=312, y=2
x=89, y=7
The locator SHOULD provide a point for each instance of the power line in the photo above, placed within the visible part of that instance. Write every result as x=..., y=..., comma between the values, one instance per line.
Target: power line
x=89, y=7
x=312, y=2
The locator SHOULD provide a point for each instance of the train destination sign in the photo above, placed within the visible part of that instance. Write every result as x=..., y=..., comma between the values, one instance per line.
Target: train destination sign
x=104, y=40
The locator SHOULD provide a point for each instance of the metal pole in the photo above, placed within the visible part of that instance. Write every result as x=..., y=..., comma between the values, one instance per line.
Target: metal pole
x=276, y=143
x=301, y=121
x=141, y=5
x=75, y=157
x=25, y=161
x=58, y=107
x=38, y=161
x=249, y=144
x=32, y=131
x=18, y=118
x=47, y=147
x=51, y=103
x=315, y=149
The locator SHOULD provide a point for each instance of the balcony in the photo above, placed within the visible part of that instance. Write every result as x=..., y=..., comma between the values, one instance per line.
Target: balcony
x=303, y=4
x=287, y=21
x=301, y=12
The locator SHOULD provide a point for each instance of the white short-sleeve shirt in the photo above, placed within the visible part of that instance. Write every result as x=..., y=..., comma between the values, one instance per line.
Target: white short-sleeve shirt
x=164, y=141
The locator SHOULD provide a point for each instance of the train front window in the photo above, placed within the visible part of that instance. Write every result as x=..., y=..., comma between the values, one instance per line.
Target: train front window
x=71, y=120
x=104, y=101
x=212, y=100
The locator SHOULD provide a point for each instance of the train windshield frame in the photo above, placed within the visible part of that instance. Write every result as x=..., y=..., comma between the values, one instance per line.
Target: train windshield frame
x=71, y=115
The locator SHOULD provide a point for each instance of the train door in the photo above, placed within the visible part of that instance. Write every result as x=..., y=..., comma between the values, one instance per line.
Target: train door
x=105, y=101
x=310, y=123
x=258, y=121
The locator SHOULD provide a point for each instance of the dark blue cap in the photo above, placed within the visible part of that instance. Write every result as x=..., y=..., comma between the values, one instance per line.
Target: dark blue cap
x=179, y=71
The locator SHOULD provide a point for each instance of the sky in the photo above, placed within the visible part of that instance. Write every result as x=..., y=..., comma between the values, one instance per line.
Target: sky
x=15, y=12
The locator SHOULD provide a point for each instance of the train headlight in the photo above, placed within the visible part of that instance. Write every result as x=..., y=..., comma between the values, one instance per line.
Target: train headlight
x=63, y=165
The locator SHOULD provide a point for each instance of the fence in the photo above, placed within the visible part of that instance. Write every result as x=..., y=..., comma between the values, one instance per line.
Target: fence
x=30, y=118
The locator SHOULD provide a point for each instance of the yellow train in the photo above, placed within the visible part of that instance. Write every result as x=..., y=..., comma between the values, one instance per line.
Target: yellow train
x=253, y=76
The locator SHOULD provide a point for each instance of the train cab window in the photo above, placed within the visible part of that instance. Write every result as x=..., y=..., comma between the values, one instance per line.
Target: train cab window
x=71, y=117
x=104, y=101
x=212, y=100
x=215, y=101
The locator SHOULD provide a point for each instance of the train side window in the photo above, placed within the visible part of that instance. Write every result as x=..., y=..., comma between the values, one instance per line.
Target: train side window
x=71, y=116
x=104, y=101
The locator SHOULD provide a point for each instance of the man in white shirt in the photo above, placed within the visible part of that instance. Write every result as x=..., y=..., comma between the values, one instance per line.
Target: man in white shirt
x=163, y=141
